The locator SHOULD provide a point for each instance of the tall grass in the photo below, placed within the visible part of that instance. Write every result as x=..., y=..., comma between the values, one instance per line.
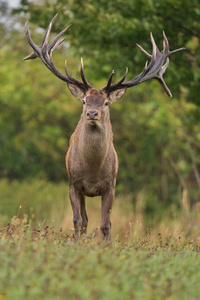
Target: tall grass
x=46, y=203
x=145, y=259
x=48, y=264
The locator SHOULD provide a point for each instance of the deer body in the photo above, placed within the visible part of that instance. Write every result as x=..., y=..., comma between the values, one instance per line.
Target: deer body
x=92, y=162
x=91, y=159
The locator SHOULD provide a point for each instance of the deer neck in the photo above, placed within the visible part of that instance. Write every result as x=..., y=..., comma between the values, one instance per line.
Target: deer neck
x=94, y=141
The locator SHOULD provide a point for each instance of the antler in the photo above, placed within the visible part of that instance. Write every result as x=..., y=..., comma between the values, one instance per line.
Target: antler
x=155, y=69
x=44, y=52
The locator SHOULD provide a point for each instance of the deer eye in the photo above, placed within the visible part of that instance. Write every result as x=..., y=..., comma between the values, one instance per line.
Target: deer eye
x=83, y=102
x=106, y=103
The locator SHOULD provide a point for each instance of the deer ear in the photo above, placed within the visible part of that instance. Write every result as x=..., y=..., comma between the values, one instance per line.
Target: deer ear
x=76, y=91
x=118, y=94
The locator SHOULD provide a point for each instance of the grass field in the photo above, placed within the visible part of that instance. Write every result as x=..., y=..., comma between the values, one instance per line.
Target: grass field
x=41, y=260
x=44, y=264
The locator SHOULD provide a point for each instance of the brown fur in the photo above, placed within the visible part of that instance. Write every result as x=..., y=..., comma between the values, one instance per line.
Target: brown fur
x=92, y=162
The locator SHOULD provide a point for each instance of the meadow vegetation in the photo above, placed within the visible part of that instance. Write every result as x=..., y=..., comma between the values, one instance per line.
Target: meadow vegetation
x=41, y=258
x=157, y=258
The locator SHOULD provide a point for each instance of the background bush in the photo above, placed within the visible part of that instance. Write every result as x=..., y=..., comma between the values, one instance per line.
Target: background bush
x=156, y=138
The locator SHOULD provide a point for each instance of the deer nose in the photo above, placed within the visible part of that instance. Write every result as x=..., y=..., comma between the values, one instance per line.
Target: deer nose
x=92, y=114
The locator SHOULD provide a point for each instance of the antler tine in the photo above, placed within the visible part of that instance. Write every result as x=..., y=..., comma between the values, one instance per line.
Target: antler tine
x=144, y=51
x=161, y=80
x=108, y=88
x=67, y=73
x=33, y=55
x=165, y=65
x=177, y=50
x=52, y=45
x=47, y=33
x=50, y=50
x=33, y=45
x=155, y=48
x=44, y=52
x=74, y=81
x=109, y=80
x=121, y=80
x=86, y=83
x=30, y=56
x=70, y=79
x=44, y=47
x=174, y=51
x=165, y=43
x=165, y=87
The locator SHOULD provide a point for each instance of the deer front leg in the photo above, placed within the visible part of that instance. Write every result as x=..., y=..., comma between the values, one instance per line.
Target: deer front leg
x=107, y=200
x=84, y=216
x=75, y=198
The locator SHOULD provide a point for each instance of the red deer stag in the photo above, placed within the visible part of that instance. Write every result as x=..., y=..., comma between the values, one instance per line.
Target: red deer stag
x=91, y=159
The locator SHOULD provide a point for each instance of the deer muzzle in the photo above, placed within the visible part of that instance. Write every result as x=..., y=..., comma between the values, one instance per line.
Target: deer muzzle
x=92, y=115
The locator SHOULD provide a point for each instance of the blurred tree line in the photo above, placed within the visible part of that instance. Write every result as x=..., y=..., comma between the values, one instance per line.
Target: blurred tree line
x=157, y=138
